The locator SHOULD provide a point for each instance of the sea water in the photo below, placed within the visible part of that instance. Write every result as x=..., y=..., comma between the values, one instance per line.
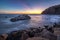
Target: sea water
x=7, y=26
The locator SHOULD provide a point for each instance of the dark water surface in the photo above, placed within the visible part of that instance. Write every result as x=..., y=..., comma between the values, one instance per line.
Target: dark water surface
x=7, y=26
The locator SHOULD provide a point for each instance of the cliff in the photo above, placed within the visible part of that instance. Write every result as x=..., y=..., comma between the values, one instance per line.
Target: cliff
x=52, y=10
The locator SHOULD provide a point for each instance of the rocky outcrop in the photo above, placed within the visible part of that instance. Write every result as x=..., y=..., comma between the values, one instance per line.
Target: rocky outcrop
x=47, y=33
x=29, y=33
x=20, y=17
x=3, y=36
x=50, y=29
x=52, y=10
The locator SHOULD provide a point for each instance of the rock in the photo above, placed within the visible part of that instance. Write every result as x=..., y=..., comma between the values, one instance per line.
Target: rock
x=52, y=10
x=56, y=25
x=46, y=34
x=20, y=17
x=46, y=26
x=24, y=36
x=3, y=36
x=50, y=29
x=30, y=33
x=37, y=38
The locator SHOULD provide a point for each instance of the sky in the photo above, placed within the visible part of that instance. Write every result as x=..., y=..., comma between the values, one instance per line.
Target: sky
x=25, y=6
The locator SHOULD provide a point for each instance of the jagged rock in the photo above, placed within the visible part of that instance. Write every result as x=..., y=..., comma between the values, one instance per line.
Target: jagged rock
x=50, y=29
x=15, y=35
x=3, y=36
x=24, y=36
x=56, y=25
x=46, y=34
x=20, y=17
x=30, y=33
x=52, y=10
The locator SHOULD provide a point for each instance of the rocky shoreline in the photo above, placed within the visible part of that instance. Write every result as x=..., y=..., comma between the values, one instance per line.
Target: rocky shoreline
x=29, y=34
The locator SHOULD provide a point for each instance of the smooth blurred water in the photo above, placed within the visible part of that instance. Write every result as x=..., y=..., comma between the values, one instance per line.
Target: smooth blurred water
x=7, y=26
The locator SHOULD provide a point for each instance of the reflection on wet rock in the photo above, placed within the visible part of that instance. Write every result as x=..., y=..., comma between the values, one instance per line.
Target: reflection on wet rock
x=20, y=17
x=29, y=33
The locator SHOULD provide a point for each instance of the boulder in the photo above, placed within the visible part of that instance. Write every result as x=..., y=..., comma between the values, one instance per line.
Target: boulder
x=3, y=36
x=15, y=35
x=20, y=17
x=46, y=34
x=50, y=29
x=56, y=25
x=52, y=10
x=24, y=36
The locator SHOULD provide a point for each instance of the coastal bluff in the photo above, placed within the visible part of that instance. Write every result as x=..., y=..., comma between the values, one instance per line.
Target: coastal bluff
x=52, y=10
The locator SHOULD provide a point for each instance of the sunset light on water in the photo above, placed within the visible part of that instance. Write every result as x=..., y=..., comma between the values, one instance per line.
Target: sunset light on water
x=29, y=19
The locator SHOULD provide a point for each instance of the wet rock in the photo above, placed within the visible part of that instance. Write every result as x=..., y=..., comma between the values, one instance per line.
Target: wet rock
x=46, y=34
x=50, y=29
x=3, y=36
x=20, y=17
x=31, y=33
x=24, y=36
x=56, y=25
x=46, y=26
x=14, y=36
x=52, y=37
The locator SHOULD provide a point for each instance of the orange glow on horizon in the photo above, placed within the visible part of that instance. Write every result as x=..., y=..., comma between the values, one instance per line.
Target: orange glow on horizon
x=31, y=11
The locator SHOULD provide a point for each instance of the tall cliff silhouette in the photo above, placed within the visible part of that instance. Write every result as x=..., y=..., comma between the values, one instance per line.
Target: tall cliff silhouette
x=52, y=10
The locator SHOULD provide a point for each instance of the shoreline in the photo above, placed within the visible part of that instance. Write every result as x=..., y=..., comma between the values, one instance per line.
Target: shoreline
x=30, y=33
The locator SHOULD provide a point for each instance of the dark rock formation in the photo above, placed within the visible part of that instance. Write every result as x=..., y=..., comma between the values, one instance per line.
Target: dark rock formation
x=20, y=17
x=29, y=33
x=46, y=34
x=3, y=36
x=56, y=25
x=51, y=29
x=52, y=10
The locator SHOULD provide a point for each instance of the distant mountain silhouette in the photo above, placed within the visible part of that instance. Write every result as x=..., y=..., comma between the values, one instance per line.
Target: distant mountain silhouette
x=52, y=10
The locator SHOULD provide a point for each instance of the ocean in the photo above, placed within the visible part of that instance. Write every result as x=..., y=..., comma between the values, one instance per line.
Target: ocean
x=6, y=26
